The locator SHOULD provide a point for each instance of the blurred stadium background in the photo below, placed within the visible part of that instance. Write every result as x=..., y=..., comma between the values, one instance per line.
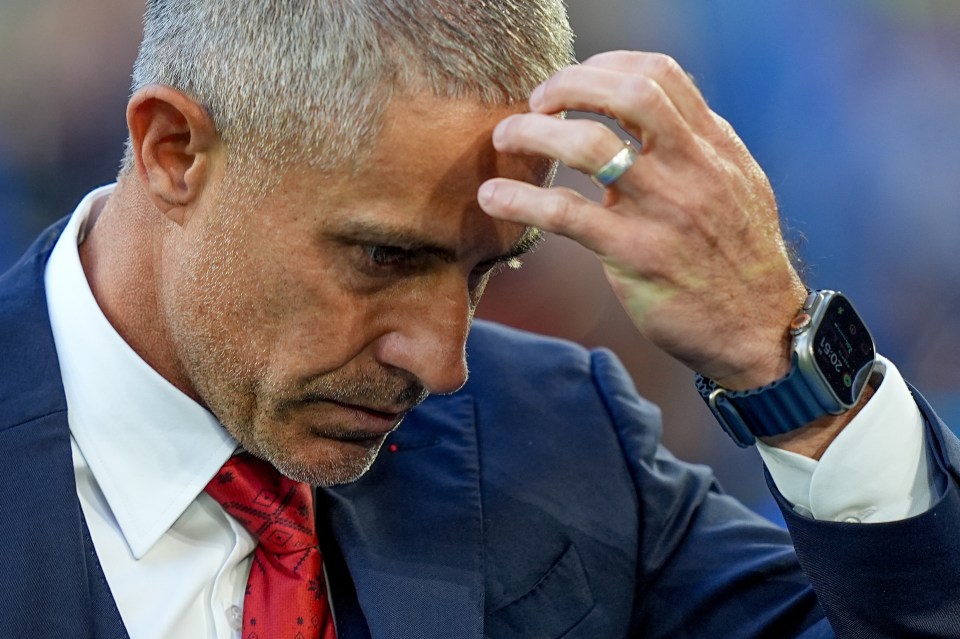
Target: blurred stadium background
x=851, y=106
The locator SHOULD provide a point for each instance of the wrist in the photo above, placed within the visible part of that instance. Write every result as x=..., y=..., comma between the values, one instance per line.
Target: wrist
x=813, y=439
x=761, y=352
x=767, y=370
x=831, y=359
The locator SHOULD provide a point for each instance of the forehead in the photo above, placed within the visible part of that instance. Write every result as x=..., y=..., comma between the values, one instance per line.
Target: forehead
x=420, y=178
x=428, y=133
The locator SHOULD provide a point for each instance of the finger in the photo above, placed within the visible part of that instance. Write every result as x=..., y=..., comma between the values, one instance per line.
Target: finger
x=637, y=102
x=583, y=145
x=665, y=71
x=558, y=210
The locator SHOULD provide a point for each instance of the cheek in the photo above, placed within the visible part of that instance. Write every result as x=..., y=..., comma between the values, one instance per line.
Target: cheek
x=213, y=303
x=277, y=312
x=313, y=324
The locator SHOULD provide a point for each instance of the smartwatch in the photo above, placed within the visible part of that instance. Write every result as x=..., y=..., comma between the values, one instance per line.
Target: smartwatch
x=833, y=355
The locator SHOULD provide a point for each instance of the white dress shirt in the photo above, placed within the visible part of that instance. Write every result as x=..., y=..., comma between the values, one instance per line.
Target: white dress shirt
x=876, y=470
x=176, y=563
x=143, y=451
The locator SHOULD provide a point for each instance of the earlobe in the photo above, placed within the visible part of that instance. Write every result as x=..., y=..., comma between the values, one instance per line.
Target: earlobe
x=173, y=140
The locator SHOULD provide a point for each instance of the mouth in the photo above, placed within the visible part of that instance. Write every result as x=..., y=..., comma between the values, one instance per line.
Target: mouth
x=385, y=414
x=374, y=415
x=364, y=425
x=362, y=418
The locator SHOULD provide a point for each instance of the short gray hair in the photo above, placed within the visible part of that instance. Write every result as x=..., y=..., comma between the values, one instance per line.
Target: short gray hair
x=309, y=80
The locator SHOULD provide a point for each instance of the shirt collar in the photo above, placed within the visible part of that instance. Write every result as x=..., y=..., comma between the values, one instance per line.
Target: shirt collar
x=151, y=448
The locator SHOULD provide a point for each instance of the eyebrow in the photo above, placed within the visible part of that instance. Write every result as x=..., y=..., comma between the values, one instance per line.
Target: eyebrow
x=362, y=232
x=530, y=239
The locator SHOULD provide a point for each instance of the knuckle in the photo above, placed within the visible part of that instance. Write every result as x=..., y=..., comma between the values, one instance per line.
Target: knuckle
x=726, y=129
x=663, y=65
x=616, y=57
x=594, y=145
x=559, y=83
x=637, y=91
x=559, y=211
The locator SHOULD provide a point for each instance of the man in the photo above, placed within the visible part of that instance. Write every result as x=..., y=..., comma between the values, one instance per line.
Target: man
x=313, y=199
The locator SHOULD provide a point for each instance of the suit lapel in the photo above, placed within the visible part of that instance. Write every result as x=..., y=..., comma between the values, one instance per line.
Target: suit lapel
x=411, y=531
x=60, y=587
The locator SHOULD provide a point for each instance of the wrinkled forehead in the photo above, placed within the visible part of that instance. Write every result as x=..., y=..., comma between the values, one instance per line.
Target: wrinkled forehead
x=447, y=140
x=451, y=140
x=427, y=165
x=417, y=186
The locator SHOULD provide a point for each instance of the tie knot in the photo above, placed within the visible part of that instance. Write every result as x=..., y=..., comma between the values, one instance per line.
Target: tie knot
x=276, y=510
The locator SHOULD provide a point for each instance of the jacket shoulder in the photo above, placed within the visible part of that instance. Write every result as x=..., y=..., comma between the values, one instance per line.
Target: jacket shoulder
x=30, y=384
x=493, y=345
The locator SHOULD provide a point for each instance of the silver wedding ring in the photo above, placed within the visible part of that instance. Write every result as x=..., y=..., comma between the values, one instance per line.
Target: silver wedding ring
x=606, y=175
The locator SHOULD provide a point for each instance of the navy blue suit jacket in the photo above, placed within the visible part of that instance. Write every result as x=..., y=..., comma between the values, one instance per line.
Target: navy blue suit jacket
x=536, y=503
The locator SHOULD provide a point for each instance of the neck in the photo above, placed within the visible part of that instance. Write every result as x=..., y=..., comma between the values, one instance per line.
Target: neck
x=123, y=261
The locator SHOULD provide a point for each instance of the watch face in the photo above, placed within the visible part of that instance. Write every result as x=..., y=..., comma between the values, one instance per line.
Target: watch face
x=843, y=349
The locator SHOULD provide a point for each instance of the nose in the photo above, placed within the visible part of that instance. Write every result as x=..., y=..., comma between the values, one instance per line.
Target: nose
x=427, y=338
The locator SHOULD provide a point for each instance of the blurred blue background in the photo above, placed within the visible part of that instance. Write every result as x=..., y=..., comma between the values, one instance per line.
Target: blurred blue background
x=851, y=106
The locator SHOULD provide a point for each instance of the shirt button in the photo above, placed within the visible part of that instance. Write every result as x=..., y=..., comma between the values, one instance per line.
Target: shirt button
x=235, y=617
x=852, y=520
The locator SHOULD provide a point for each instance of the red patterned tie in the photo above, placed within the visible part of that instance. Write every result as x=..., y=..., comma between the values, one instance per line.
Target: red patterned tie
x=286, y=596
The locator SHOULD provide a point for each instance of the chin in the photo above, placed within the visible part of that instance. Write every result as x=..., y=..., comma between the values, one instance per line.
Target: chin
x=331, y=467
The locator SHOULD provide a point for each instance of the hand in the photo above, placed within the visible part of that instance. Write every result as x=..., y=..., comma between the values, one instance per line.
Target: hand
x=689, y=235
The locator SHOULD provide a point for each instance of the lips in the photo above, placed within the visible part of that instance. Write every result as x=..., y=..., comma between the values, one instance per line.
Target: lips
x=369, y=423
x=375, y=412
x=350, y=419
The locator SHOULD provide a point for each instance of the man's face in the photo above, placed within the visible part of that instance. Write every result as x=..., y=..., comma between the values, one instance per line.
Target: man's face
x=312, y=323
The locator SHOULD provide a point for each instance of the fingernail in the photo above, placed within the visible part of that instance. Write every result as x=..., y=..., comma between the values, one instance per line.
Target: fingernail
x=498, y=132
x=485, y=194
x=536, y=98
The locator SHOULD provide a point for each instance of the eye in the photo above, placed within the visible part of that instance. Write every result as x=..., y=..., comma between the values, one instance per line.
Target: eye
x=388, y=256
x=482, y=274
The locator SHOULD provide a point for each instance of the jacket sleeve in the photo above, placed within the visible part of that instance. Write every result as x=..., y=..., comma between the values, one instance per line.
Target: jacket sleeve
x=896, y=579
x=709, y=567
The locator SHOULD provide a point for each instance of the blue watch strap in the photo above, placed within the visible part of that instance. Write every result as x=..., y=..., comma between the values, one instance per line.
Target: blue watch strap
x=758, y=412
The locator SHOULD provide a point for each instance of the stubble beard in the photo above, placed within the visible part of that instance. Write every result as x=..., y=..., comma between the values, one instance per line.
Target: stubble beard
x=270, y=419
x=269, y=423
x=222, y=369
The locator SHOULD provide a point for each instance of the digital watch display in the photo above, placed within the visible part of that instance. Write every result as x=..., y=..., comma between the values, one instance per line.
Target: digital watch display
x=836, y=345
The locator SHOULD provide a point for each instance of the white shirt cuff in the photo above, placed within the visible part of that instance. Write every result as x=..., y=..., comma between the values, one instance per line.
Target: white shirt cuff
x=876, y=470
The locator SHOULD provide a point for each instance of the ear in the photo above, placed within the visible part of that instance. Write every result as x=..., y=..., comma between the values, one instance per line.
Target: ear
x=173, y=140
